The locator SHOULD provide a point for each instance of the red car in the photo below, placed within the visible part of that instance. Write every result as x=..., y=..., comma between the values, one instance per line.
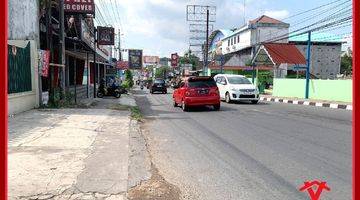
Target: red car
x=197, y=91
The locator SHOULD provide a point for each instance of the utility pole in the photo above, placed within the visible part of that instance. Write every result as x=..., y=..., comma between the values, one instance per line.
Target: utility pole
x=207, y=42
x=120, y=57
x=308, y=66
x=62, y=48
x=244, y=12
x=95, y=70
x=49, y=46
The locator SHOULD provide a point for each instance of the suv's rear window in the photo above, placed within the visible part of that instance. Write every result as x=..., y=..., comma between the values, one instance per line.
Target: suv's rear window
x=201, y=83
x=159, y=81
x=238, y=80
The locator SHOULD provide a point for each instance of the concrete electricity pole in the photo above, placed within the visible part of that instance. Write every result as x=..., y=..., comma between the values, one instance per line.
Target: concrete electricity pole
x=120, y=57
x=207, y=43
x=62, y=48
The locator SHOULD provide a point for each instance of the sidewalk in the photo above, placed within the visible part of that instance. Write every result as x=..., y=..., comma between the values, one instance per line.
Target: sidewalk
x=307, y=102
x=70, y=153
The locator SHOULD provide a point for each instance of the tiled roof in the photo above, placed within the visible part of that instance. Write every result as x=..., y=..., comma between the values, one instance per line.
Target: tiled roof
x=284, y=53
x=266, y=20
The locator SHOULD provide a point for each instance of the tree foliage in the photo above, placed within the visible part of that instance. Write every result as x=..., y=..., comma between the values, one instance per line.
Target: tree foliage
x=128, y=82
x=190, y=58
x=161, y=72
x=346, y=64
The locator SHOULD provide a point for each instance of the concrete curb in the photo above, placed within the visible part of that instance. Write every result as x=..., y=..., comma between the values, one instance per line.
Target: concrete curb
x=308, y=103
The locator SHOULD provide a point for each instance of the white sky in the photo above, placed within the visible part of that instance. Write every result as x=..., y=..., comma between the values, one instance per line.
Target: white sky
x=159, y=27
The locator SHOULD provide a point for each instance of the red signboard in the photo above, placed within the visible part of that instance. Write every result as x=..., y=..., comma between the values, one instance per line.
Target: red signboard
x=79, y=6
x=122, y=65
x=174, y=59
x=44, y=62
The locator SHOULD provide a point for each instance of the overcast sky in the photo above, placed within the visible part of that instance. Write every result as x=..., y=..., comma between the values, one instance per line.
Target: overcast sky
x=159, y=27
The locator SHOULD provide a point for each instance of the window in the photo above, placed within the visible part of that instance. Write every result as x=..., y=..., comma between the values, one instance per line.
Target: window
x=228, y=42
x=238, y=38
x=218, y=79
x=201, y=83
x=238, y=80
x=231, y=41
x=159, y=81
x=223, y=80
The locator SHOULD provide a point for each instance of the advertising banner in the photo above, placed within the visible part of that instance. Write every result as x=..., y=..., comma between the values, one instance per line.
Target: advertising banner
x=151, y=59
x=122, y=65
x=135, y=59
x=44, y=61
x=174, y=59
x=79, y=6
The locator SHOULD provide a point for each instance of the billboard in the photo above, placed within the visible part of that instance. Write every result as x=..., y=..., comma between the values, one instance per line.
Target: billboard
x=135, y=59
x=151, y=59
x=122, y=65
x=105, y=35
x=174, y=59
x=79, y=6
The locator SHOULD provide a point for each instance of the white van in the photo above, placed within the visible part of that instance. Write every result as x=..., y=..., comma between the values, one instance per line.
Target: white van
x=236, y=88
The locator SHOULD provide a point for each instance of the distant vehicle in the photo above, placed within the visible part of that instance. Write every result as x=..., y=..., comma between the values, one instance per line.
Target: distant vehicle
x=196, y=91
x=158, y=85
x=148, y=83
x=236, y=88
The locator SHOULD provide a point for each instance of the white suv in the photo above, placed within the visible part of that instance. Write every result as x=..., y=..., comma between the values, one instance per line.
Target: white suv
x=236, y=88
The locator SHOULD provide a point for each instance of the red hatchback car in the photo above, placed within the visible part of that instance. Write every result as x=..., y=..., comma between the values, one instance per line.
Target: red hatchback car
x=197, y=91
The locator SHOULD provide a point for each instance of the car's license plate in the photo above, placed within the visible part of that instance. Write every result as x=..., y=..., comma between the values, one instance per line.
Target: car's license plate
x=203, y=91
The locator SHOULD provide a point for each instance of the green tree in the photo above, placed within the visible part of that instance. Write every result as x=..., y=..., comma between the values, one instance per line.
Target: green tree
x=161, y=72
x=346, y=64
x=190, y=58
x=128, y=82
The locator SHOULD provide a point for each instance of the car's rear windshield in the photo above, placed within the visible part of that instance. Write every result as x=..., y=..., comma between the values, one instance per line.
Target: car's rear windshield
x=238, y=80
x=196, y=83
x=159, y=81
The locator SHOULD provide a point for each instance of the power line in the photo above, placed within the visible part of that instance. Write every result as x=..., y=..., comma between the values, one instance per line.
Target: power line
x=326, y=19
x=316, y=8
x=333, y=15
x=331, y=24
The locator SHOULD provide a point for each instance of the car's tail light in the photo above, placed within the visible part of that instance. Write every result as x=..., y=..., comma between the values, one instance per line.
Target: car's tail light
x=214, y=92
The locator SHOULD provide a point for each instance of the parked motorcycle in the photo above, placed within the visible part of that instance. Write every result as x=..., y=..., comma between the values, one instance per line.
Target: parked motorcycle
x=108, y=91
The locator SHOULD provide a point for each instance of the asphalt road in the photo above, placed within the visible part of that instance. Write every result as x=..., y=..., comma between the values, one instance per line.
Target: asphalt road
x=249, y=152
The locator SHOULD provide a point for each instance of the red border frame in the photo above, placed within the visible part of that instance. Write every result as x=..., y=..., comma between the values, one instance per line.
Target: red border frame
x=356, y=63
x=3, y=99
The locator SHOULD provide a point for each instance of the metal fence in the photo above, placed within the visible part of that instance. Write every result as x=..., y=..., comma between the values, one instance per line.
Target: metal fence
x=19, y=69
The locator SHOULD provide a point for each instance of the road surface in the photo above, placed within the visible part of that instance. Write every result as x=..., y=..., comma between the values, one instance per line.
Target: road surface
x=248, y=152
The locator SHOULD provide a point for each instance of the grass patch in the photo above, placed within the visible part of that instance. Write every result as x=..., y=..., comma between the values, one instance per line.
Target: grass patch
x=136, y=113
x=134, y=110
x=119, y=107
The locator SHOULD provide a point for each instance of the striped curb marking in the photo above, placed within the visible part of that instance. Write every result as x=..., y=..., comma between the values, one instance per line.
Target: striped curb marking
x=308, y=103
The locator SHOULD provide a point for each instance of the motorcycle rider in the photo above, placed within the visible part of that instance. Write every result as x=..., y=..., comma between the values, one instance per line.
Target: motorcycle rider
x=141, y=84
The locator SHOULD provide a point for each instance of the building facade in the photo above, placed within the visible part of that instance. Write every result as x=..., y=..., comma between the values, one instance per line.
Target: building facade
x=23, y=44
x=325, y=58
